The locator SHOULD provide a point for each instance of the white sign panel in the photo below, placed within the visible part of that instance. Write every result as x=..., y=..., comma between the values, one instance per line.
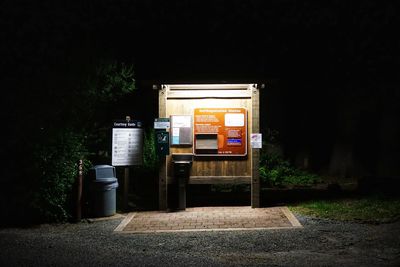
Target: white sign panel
x=256, y=140
x=181, y=121
x=161, y=123
x=234, y=119
x=127, y=146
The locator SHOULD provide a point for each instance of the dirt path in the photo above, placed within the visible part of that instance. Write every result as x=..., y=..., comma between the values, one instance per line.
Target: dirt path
x=318, y=243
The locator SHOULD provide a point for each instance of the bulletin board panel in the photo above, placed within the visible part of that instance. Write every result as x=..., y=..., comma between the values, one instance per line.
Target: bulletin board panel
x=220, y=132
x=181, y=130
x=205, y=167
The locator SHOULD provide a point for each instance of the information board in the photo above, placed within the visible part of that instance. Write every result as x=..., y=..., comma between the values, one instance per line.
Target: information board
x=181, y=130
x=127, y=144
x=220, y=131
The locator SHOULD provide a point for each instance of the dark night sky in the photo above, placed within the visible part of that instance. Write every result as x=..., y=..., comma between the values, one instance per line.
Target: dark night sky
x=218, y=39
x=327, y=64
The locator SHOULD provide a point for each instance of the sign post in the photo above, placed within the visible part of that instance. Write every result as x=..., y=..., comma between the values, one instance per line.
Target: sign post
x=125, y=198
x=161, y=127
x=127, y=149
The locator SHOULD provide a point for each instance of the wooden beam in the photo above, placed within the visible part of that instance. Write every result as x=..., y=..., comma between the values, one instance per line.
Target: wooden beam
x=208, y=86
x=190, y=94
x=215, y=180
x=255, y=152
x=220, y=180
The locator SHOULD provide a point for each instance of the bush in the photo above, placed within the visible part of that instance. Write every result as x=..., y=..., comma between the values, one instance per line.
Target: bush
x=277, y=172
x=110, y=82
x=56, y=171
x=72, y=121
x=150, y=157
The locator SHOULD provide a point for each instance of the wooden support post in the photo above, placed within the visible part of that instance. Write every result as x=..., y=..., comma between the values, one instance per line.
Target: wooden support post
x=162, y=176
x=78, y=210
x=255, y=152
x=126, y=189
x=162, y=187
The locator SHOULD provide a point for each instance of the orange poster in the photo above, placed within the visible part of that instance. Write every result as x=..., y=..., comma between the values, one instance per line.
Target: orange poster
x=220, y=131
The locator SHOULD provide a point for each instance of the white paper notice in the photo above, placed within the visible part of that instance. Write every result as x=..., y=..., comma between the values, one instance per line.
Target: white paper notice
x=127, y=146
x=175, y=131
x=234, y=119
x=256, y=140
x=180, y=121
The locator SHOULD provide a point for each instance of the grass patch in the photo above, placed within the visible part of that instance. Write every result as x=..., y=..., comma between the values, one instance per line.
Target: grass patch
x=366, y=209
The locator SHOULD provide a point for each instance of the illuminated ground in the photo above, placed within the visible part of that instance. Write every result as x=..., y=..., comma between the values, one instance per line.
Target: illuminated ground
x=318, y=243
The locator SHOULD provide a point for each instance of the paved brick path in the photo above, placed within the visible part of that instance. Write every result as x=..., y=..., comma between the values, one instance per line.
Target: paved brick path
x=209, y=218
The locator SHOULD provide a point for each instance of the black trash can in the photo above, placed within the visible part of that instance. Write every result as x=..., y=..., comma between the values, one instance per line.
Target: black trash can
x=103, y=188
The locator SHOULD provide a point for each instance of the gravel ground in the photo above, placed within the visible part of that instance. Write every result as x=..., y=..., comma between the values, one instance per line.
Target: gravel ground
x=319, y=243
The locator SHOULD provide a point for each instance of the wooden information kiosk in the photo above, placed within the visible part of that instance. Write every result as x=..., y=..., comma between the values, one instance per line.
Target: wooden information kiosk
x=213, y=122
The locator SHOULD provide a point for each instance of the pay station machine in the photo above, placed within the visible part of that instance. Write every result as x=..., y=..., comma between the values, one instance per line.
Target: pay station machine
x=181, y=136
x=181, y=166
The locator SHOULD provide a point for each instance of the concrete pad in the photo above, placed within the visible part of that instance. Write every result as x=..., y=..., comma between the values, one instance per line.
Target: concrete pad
x=209, y=219
x=112, y=217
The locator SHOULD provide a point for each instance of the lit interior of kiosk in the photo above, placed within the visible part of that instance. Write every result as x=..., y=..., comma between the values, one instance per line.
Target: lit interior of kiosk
x=213, y=123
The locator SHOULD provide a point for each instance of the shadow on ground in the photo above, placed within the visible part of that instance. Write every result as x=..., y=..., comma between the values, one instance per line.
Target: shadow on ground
x=203, y=195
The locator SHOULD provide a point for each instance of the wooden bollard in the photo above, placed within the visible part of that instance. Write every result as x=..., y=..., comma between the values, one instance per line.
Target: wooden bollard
x=78, y=209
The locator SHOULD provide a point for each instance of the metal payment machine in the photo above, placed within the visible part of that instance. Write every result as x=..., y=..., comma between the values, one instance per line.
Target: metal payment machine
x=182, y=163
x=162, y=142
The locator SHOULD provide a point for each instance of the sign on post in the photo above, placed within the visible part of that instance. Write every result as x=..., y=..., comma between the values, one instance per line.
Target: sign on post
x=256, y=140
x=127, y=143
x=161, y=125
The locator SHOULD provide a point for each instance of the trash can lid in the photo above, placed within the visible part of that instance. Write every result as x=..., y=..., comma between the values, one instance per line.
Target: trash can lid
x=182, y=158
x=101, y=166
x=102, y=171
